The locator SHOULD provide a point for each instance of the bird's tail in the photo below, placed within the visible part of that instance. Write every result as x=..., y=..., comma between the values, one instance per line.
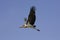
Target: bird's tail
x=36, y=29
x=34, y=26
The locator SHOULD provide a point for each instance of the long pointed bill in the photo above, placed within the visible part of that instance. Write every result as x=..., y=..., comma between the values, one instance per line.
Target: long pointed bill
x=21, y=27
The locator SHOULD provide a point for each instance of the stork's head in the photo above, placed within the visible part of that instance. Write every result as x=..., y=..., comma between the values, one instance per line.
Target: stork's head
x=28, y=25
x=23, y=26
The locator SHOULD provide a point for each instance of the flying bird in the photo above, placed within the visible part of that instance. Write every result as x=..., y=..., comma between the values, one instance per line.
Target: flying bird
x=29, y=23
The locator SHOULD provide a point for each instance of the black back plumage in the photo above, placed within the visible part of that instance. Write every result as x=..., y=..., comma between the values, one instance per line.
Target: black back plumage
x=31, y=16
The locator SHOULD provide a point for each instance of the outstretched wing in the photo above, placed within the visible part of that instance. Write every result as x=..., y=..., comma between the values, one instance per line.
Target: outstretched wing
x=31, y=16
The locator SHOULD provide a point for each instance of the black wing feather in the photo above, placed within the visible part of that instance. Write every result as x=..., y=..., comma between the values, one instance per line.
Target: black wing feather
x=31, y=16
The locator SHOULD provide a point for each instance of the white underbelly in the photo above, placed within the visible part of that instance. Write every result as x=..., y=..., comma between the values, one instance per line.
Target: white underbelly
x=28, y=25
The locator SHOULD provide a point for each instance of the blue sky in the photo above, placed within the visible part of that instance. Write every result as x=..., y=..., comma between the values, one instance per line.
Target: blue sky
x=12, y=13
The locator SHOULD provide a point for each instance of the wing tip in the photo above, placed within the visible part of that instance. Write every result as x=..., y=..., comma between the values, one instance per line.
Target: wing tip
x=33, y=8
